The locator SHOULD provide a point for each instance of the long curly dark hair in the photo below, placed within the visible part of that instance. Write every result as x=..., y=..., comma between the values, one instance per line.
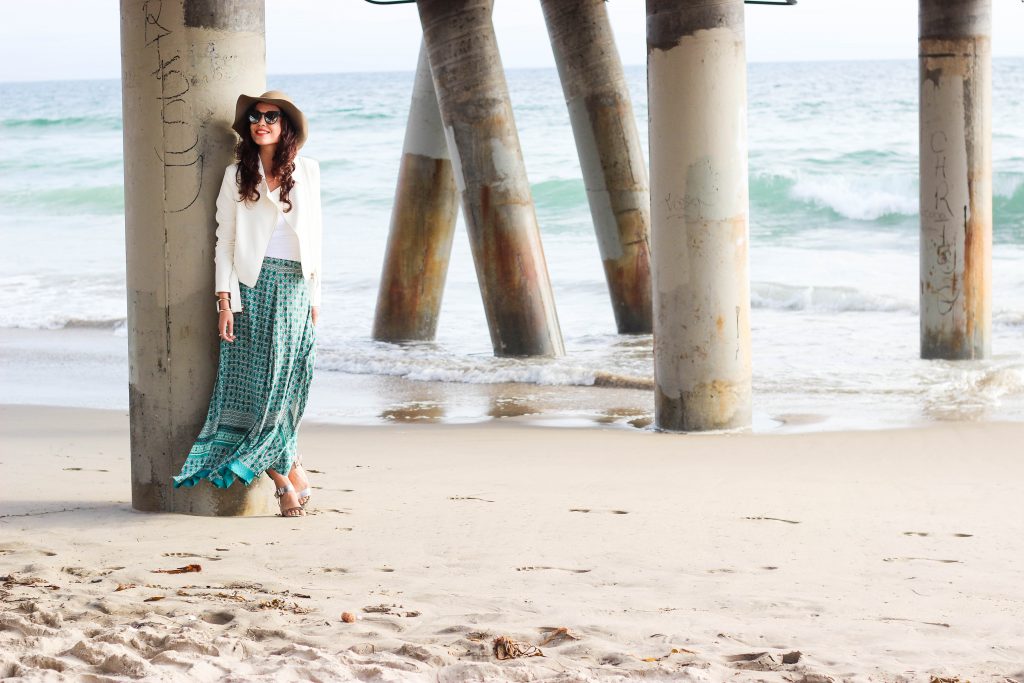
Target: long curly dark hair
x=248, y=154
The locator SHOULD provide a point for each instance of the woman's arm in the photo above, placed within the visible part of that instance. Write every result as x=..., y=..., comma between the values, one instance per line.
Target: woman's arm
x=225, y=317
x=224, y=253
x=318, y=224
x=224, y=250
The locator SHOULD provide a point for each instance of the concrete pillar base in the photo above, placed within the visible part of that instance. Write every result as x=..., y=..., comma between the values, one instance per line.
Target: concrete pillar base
x=489, y=171
x=611, y=158
x=955, y=57
x=699, y=214
x=184, y=63
x=422, y=224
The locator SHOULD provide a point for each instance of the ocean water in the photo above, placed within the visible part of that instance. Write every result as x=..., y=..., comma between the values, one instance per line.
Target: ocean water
x=834, y=230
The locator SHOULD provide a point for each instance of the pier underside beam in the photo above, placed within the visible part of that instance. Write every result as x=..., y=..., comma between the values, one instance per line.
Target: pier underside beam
x=955, y=60
x=696, y=66
x=609, y=149
x=184, y=62
x=422, y=224
x=500, y=217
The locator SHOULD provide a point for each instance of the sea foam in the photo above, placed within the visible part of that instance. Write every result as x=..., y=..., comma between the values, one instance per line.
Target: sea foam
x=862, y=198
x=824, y=299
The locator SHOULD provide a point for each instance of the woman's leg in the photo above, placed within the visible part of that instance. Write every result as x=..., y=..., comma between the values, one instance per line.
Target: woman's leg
x=300, y=480
x=289, y=500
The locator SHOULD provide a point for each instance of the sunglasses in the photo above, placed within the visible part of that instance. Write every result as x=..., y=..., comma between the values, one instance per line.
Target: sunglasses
x=271, y=117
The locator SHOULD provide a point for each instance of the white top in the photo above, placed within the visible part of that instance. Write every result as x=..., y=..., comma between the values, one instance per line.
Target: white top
x=244, y=229
x=284, y=243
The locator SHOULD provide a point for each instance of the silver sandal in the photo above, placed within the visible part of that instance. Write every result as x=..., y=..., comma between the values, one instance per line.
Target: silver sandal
x=295, y=511
x=306, y=493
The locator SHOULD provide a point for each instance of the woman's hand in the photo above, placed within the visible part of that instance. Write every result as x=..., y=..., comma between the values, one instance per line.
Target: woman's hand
x=314, y=311
x=226, y=325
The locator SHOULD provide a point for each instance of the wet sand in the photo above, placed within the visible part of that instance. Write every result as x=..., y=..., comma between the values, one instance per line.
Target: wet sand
x=88, y=368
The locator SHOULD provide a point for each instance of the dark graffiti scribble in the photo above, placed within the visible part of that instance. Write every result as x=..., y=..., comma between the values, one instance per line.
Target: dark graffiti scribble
x=176, y=117
x=941, y=215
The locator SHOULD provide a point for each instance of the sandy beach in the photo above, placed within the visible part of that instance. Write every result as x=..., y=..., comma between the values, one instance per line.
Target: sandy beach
x=862, y=556
x=525, y=245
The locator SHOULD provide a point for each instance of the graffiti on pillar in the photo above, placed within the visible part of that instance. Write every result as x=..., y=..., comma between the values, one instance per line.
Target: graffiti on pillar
x=683, y=207
x=179, y=148
x=943, y=218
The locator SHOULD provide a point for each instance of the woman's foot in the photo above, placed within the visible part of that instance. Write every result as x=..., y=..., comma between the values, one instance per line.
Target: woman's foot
x=300, y=481
x=288, y=500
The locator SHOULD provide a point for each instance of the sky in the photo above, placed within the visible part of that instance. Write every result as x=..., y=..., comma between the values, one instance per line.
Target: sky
x=75, y=39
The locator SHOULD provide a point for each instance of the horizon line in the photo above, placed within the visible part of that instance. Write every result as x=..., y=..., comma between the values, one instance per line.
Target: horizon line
x=508, y=69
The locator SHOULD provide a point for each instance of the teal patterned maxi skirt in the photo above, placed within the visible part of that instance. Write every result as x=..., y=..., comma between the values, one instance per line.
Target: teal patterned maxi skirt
x=262, y=383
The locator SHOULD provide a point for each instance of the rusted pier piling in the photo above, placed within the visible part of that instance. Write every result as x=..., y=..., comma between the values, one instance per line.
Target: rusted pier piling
x=955, y=62
x=489, y=171
x=183, y=64
x=422, y=223
x=696, y=67
x=609, y=149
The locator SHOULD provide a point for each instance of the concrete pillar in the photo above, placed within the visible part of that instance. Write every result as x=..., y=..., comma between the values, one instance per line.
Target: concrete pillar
x=610, y=154
x=184, y=62
x=696, y=74
x=955, y=58
x=489, y=171
x=422, y=223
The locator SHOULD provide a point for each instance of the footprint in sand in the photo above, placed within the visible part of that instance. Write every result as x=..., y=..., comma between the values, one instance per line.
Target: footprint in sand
x=80, y=572
x=392, y=610
x=14, y=549
x=606, y=511
x=772, y=519
x=726, y=570
x=385, y=569
x=915, y=621
x=202, y=557
x=763, y=661
x=926, y=533
x=218, y=618
x=561, y=569
x=925, y=559
x=332, y=570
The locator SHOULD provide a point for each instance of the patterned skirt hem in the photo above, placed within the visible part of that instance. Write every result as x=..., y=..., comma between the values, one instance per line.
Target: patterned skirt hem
x=262, y=384
x=222, y=478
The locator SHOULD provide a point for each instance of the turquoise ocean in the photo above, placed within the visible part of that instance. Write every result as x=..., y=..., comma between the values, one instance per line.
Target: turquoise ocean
x=834, y=257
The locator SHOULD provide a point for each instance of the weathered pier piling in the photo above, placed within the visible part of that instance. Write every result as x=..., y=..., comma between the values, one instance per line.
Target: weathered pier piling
x=422, y=223
x=696, y=67
x=609, y=149
x=184, y=62
x=489, y=171
x=955, y=61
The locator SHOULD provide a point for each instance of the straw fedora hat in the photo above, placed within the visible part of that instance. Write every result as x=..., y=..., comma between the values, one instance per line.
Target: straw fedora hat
x=294, y=114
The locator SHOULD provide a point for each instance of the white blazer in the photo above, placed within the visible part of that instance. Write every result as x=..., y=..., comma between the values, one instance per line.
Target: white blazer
x=244, y=230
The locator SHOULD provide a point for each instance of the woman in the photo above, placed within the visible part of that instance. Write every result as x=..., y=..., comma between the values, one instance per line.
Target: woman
x=268, y=271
